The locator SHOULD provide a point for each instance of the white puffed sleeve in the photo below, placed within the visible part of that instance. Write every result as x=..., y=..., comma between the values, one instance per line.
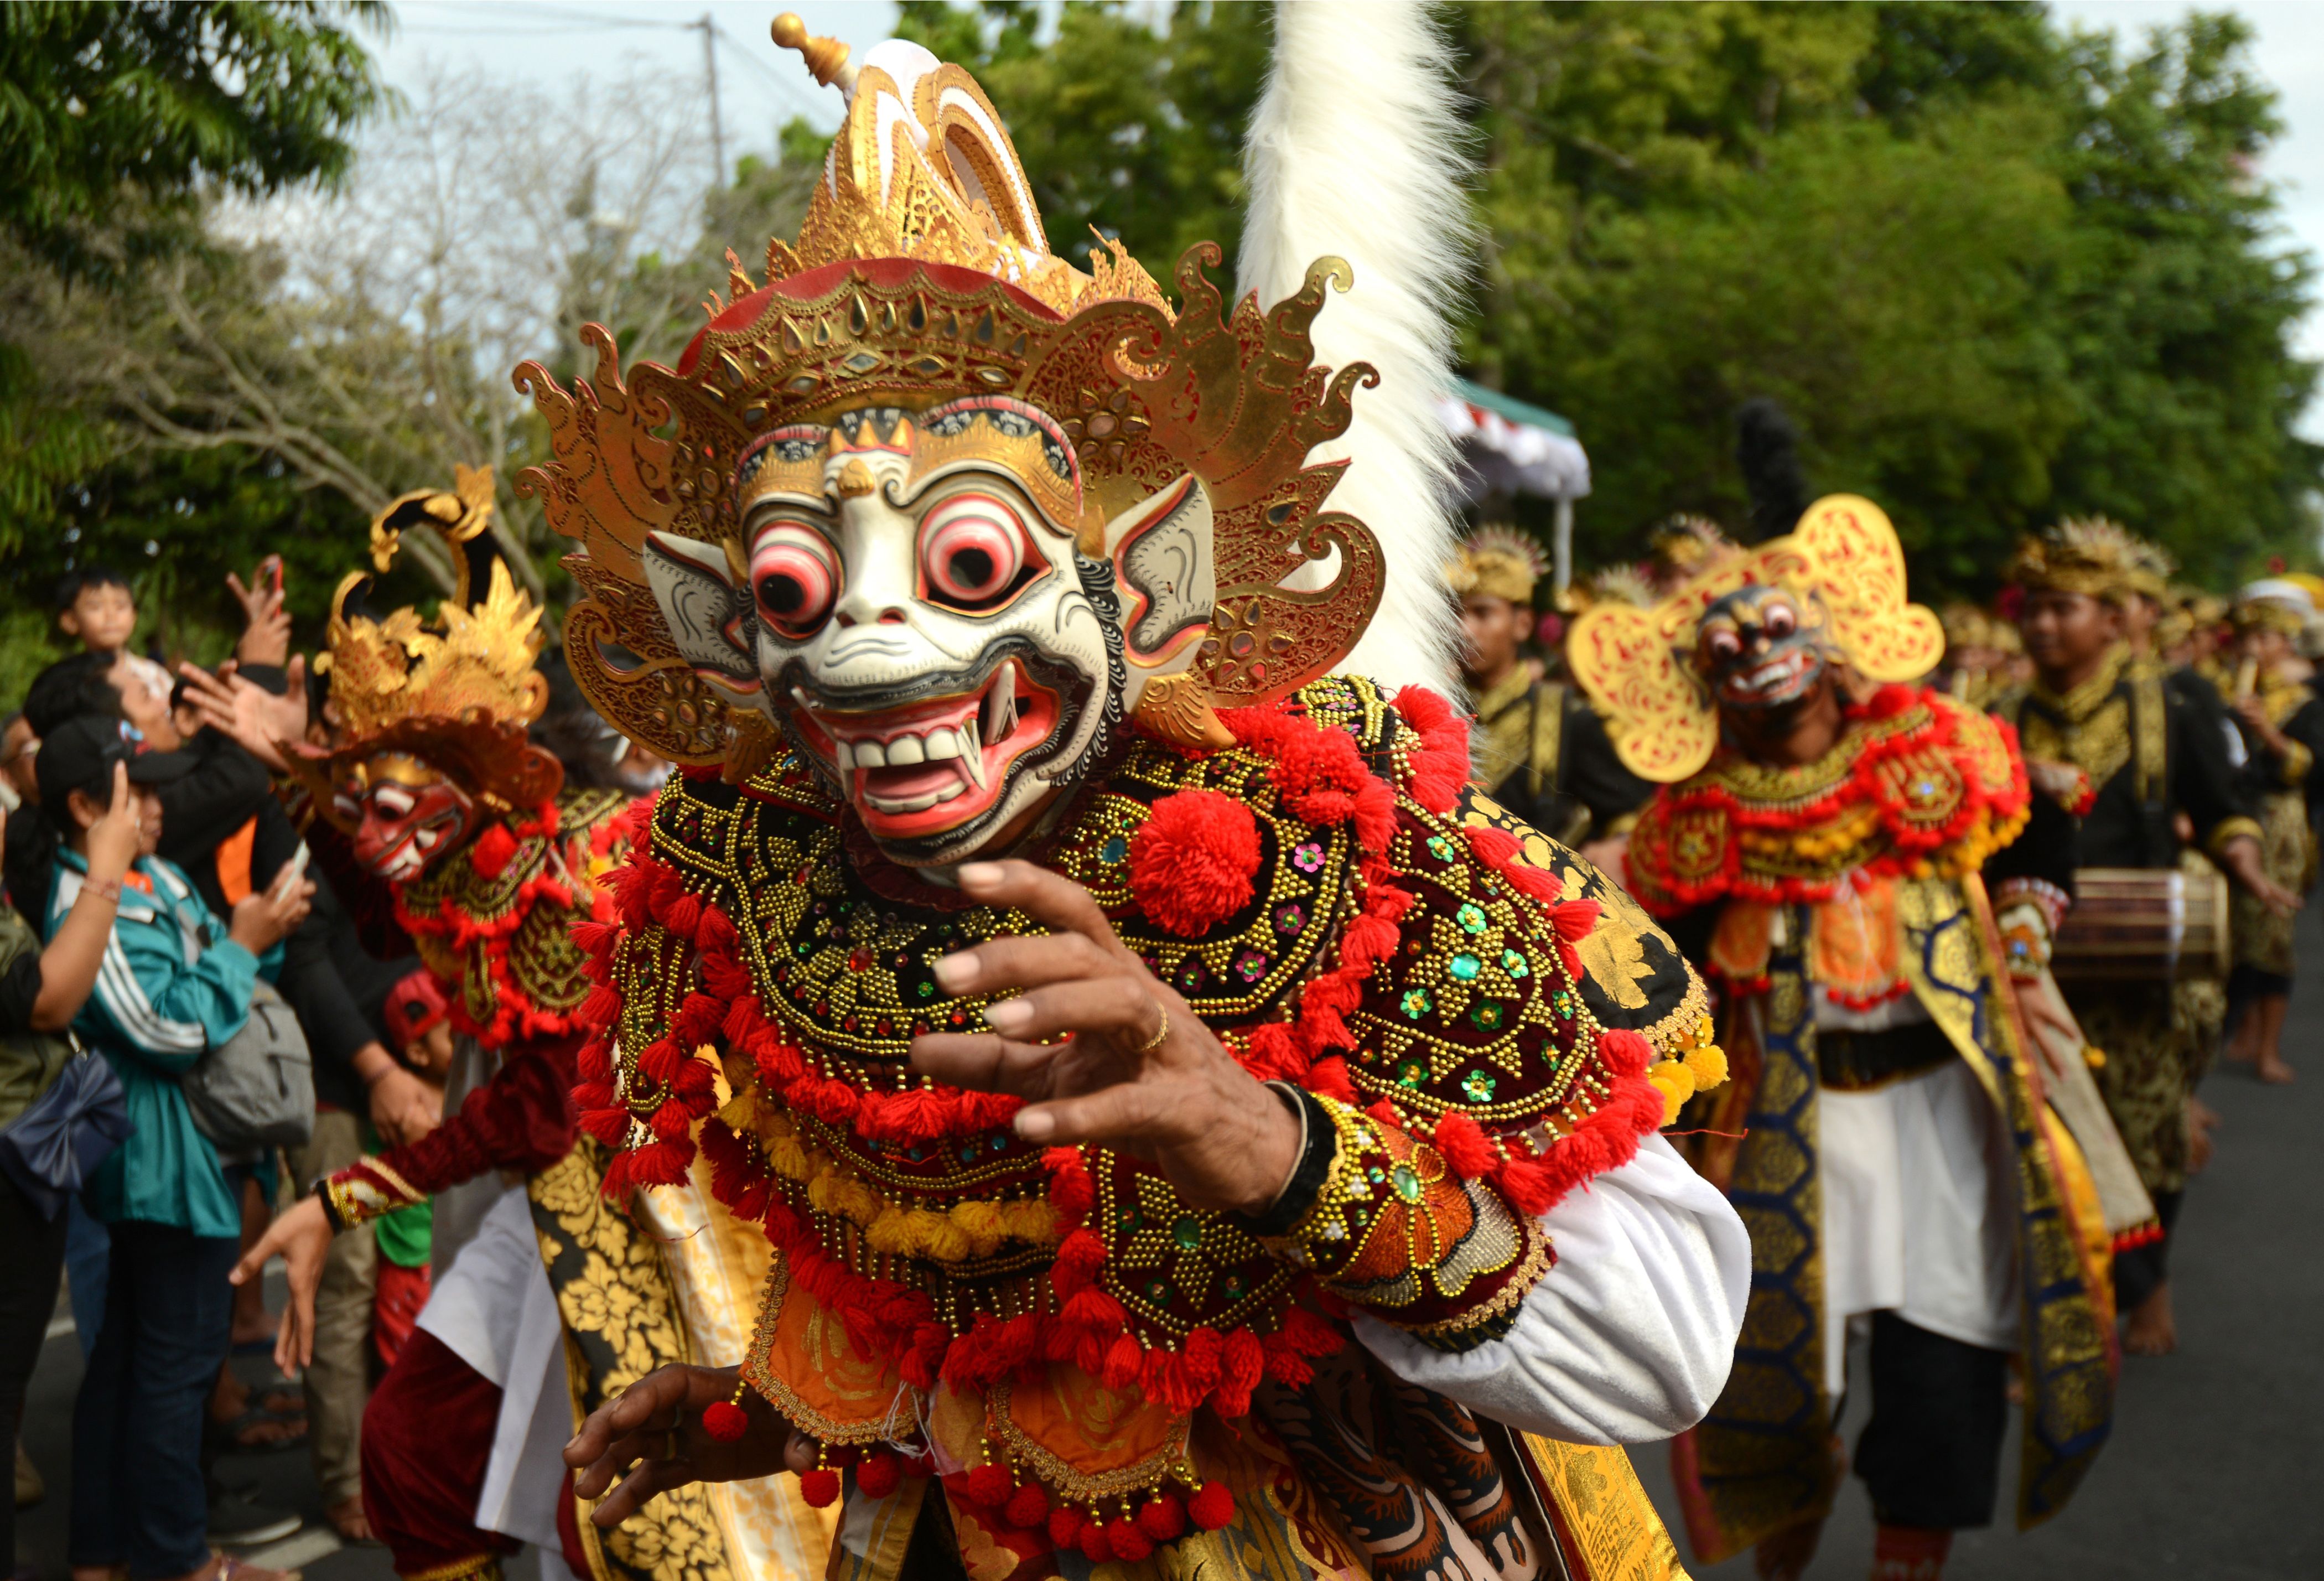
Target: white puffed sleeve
x=1629, y=1338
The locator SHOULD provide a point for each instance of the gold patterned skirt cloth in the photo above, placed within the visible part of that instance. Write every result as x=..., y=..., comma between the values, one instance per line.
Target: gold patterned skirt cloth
x=2153, y=1052
x=675, y=1281
x=2287, y=849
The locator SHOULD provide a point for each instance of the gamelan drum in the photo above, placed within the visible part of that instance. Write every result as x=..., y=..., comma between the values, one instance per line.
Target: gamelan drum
x=2143, y=923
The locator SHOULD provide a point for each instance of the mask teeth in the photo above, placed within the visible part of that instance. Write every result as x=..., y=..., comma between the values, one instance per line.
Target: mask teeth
x=1003, y=707
x=972, y=753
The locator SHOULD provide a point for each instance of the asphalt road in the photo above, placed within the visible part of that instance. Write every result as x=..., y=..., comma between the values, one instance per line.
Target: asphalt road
x=2212, y=1471
x=2211, y=1475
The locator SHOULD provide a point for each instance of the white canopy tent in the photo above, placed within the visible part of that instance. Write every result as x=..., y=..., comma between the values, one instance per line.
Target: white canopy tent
x=1510, y=447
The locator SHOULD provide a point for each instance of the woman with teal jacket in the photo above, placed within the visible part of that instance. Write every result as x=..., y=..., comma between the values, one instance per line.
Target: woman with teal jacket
x=174, y=983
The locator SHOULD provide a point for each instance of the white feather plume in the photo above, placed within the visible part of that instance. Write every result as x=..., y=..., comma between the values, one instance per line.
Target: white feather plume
x=1356, y=149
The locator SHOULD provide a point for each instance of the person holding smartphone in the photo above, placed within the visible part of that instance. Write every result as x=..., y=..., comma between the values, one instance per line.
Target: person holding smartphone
x=175, y=983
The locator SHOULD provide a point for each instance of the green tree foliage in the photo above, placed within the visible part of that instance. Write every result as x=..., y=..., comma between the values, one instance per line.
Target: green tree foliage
x=114, y=110
x=118, y=122
x=1126, y=128
x=1997, y=272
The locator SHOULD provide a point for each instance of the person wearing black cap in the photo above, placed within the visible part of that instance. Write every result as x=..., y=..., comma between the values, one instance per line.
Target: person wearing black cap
x=41, y=991
x=174, y=985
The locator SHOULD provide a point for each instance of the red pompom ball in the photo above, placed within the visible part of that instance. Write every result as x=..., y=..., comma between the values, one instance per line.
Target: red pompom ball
x=1213, y=1508
x=1065, y=1527
x=989, y=1486
x=492, y=851
x=1192, y=862
x=1029, y=1507
x=1127, y=1541
x=724, y=1420
x=819, y=1487
x=1094, y=1548
x=1162, y=1519
x=879, y=1473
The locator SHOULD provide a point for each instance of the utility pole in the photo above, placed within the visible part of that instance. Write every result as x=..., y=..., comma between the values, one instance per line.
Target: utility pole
x=709, y=30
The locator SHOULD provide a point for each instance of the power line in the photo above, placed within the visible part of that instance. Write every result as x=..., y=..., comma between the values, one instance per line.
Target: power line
x=579, y=19
x=789, y=88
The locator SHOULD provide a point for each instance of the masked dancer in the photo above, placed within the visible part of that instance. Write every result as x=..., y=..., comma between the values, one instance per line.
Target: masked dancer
x=450, y=834
x=1823, y=841
x=1165, y=1083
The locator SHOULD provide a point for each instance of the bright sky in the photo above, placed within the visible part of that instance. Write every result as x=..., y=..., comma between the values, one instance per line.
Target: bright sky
x=760, y=87
x=553, y=42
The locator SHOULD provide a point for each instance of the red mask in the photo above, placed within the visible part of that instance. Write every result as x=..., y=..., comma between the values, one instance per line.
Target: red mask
x=412, y=817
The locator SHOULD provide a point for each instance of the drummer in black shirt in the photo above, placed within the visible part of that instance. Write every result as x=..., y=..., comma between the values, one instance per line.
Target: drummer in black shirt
x=2110, y=739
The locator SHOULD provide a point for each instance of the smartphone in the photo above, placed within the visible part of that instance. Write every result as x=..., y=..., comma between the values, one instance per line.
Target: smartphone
x=293, y=870
x=270, y=574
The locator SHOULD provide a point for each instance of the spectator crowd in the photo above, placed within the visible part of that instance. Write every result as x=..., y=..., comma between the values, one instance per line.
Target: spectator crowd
x=191, y=1032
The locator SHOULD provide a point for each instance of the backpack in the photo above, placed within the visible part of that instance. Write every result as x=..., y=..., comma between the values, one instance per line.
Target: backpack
x=257, y=1088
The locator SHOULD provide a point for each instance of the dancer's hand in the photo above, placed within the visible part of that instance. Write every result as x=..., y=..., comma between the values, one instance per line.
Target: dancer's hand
x=1183, y=1104
x=656, y=1425
x=303, y=1237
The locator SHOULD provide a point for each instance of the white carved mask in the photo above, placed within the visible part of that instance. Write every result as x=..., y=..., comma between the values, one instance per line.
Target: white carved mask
x=919, y=621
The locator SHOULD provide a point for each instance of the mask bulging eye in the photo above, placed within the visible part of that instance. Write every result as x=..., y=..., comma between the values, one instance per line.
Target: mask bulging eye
x=972, y=551
x=1723, y=645
x=792, y=576
x=1781, y=621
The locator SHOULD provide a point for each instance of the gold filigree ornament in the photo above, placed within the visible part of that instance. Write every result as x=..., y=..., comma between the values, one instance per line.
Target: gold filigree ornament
x=1637, y=664
x=457, y=696
x=922, y=275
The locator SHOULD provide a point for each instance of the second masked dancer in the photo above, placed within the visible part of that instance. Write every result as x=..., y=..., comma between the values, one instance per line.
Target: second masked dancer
x=1823, y=842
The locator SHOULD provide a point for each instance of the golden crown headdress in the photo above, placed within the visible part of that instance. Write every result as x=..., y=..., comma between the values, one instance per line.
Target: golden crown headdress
x=2088, y=555
x=1614, y=585
x=1636, y=664
x=1499, y=562
x=1685, y=546
x=459, y=695
x=921, y=274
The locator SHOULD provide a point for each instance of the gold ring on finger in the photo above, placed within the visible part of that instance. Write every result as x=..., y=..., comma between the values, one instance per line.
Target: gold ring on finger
x=1161, y=1031
x=669, y=1449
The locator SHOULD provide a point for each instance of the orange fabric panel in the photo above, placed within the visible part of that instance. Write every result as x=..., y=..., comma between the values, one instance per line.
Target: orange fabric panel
x=233, y=863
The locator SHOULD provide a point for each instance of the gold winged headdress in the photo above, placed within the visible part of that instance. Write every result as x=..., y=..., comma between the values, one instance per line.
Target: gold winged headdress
x=921, y=274
x=1637, y=664
x=459, y=697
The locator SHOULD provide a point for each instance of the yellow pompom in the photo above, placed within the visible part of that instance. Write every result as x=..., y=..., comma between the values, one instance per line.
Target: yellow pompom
x=740, y=1113
x=824, y=1191
x=1675, y=1082
x=890, y=1233
x=1030, y=1219
x=981, y=1224
x=1707, y=1063
x=860, y=1202
x=788, y=1156
x=938, y=1237
x=2093, y=1057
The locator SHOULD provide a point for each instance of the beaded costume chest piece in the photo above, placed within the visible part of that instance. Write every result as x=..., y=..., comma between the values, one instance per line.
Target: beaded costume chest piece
x=1403, y=947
